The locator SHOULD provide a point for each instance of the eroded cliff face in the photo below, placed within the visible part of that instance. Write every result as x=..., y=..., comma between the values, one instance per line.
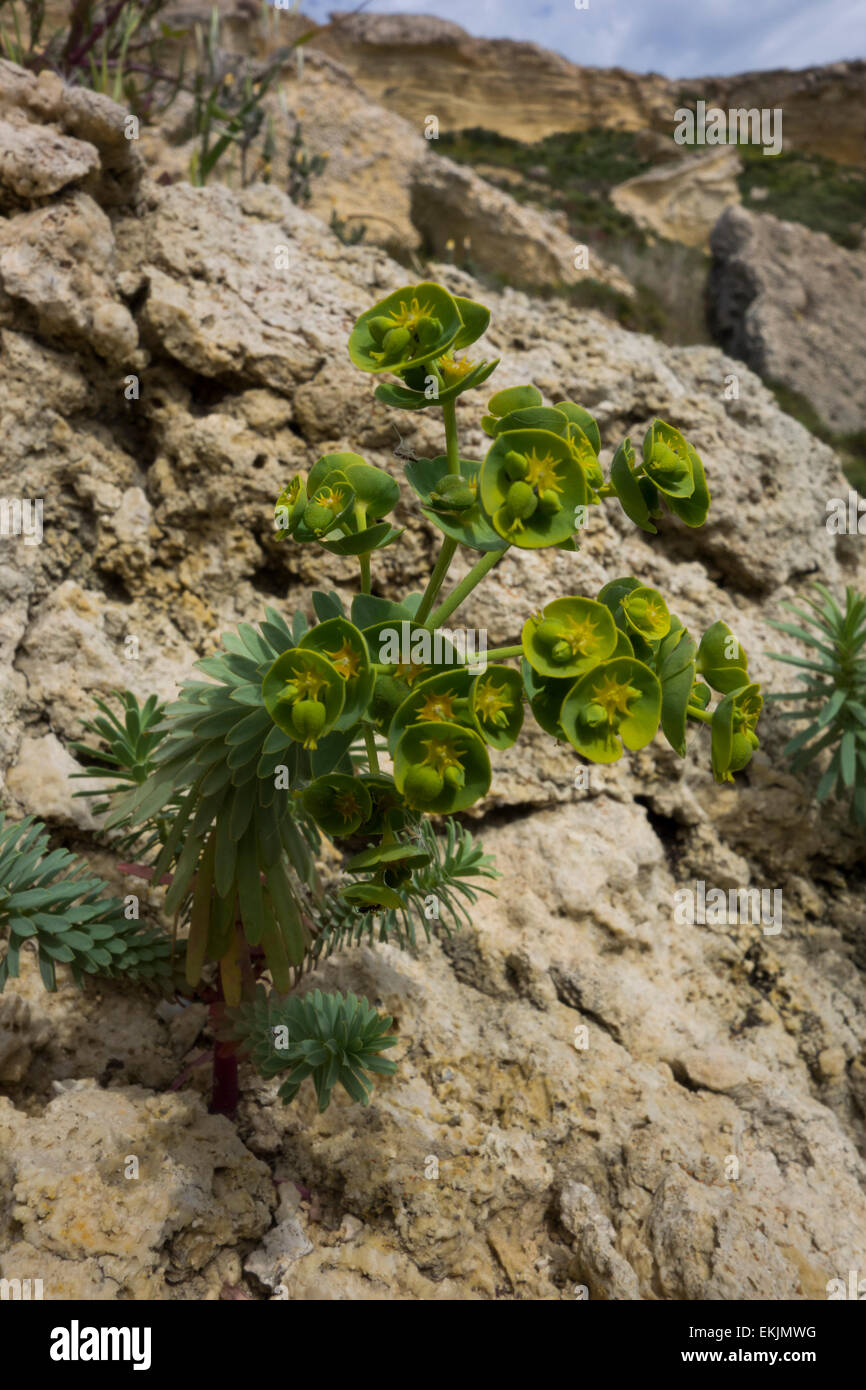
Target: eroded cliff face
x=528, y=92
x=703, y=1137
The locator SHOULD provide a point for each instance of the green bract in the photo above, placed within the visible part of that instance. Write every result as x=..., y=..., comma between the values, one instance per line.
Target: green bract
x=441, y=767
x=638, y=501
x=531, y=487
x=496, y=705
x=734, y=737
x=545, y=698
x=675, y=666
x=337, y=803
x=303, y=694
x=410, y=326
x=443, y=698
x=618, y=700
x=451, y=501
x=570, y=636
x=346, y=650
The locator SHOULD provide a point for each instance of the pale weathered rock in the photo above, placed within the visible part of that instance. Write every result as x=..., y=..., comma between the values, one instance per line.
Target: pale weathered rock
x=35, y=163
x=452, y=204
x=88, y=117
x=282, y=1245
x=589, y=1091
x=57, y=261
x=40, y=783
x=112, y=1191
x=792, y=304
x=684, y=199
x=23, y=1032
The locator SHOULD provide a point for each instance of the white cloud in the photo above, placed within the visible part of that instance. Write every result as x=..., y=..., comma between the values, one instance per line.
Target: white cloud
x=681, y=38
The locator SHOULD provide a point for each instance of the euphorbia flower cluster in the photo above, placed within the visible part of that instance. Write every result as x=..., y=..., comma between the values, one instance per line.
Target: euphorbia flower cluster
x=602, y=672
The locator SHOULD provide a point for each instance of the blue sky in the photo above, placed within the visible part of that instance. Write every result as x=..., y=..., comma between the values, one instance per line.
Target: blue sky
x=680, y=38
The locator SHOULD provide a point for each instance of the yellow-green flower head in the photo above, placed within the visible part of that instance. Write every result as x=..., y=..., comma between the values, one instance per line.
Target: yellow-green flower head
x=441, y=767
x=410, y=326
x=733, y=731
x=569, y=637
x=304, y=695
x=616, y=703
x=531, y=486
x=338, y=804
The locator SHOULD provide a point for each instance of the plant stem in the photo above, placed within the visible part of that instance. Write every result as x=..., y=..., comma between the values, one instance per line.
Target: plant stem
x=464, y=588
x=501, y=653
x=437, y=578
x=703, y=715
x=449, y=546
x=372, y=755
x=225, y=1093
x=452, y=446
x=365, y=573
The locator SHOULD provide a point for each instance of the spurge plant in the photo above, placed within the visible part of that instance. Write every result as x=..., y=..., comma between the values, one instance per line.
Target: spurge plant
x=362, y=726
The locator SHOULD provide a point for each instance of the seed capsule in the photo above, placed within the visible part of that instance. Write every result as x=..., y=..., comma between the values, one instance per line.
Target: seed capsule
x=595, y=714
x=379, y=326
x=308, y=720
x=452, y=493
x=455, y=778
x=548, y=632
x=741, y=751
x=520, y=500
x=548, y=503
x=561, y=652
x=318, y=518
x=428, y=330
x=422, y=785
x=516, y=465
x=395, y=341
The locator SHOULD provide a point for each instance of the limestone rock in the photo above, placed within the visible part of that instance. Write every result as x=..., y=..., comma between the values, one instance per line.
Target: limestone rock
x=22, y=1033
x=114, y=1193
x=683, y=199
x=527, y=92
x=792, y=304
x=88, y=117
x=40, y=783
x=35, y=163
x=57, y=261
x=452, y=203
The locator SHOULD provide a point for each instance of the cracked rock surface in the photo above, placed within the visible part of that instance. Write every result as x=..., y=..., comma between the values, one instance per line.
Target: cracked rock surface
x=590, y=1094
